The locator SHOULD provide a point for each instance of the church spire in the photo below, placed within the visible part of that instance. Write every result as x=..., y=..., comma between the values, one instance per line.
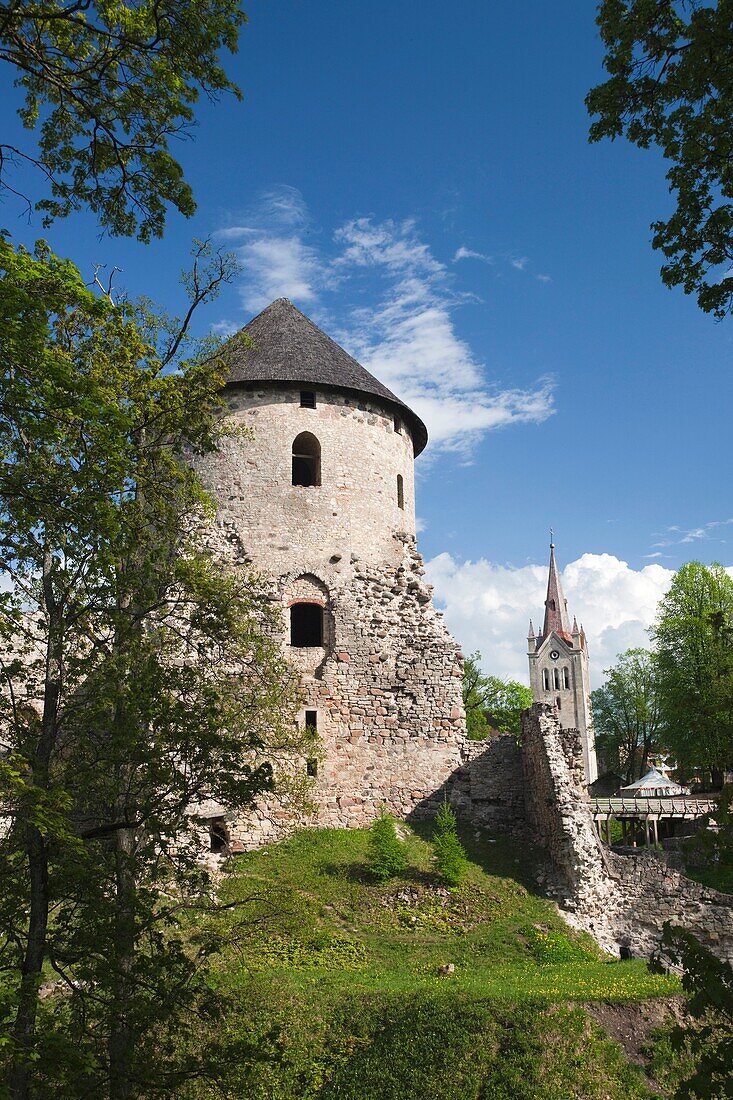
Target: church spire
x=556, y=611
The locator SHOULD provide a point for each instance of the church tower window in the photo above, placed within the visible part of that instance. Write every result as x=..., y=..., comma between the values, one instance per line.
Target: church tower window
x=306, y=460
x=565, y=678
x=556, y=677
x=546, y=679
x=400, y=492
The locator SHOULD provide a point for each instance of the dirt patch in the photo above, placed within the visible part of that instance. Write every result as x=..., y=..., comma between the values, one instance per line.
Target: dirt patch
x=632, y=1025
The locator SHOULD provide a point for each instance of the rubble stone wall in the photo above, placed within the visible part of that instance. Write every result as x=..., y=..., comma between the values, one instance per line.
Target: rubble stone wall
x=623, y=901
x=386, y=690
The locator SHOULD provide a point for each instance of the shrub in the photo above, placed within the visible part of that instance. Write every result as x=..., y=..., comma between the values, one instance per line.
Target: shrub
x=450, y=857
x=386, y=854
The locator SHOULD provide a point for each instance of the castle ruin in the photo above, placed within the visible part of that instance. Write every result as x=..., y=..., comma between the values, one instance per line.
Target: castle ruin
x=319, y=499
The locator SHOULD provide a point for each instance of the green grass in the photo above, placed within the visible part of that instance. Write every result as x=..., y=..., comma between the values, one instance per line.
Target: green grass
x=338, y=994
x=312, y=912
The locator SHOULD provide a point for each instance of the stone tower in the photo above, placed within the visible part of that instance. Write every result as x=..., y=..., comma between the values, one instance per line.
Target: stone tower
x=319, y=498
x=558, y=668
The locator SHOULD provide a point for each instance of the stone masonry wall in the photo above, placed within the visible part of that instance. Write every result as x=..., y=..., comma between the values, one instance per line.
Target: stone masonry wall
x=353, y=511
x=622, y=901
x=386, y=690
x=488, y=790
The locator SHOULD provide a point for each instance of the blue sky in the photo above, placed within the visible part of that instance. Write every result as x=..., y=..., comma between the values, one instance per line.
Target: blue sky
x=417, y=178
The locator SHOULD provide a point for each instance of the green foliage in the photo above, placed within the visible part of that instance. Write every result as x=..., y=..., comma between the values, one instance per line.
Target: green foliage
x=386, y=857
x=139, y=677
x=626, y=713
x=694, y=652
x=491, y=703
x=107, y=85
x=670, y=65
x=709, y=852
x=707, y=1045
x=450, y=856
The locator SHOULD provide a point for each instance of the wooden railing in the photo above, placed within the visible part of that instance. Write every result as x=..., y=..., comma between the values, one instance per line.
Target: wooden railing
x=678, y=806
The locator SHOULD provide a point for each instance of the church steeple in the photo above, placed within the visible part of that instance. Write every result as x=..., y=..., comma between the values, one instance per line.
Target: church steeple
x=556, y=608
x=558, y=668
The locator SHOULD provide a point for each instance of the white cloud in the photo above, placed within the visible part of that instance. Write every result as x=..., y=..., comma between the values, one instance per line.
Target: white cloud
x=488, y=606
x=679, y=536
x=409, y=341
x=464, y=253
x=406, y=335
x=279, y=267
x=276, y=260
x=520, y=262
x=393, y=245
x=544, y=278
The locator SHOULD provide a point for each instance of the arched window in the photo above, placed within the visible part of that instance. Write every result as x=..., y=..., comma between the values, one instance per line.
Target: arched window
x=306, y=625
x=306, y=460
x=546, y=679
x=565, y=678
x=556, y=677
x=551, y=605
x=400, y=492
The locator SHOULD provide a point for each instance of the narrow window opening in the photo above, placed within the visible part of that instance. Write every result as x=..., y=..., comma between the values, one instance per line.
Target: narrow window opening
x=311, y=723
x=306, y=460
x=398, y=425
x=556, y=677
x=307, y=399
x=306, y=625
x=218, y=835
x=551, y=605
x=566, y=678
x=400, y=492
x=545, y=679
x=559, y=703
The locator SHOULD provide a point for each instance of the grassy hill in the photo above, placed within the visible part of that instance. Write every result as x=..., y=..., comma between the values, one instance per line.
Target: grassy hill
x=340, y=988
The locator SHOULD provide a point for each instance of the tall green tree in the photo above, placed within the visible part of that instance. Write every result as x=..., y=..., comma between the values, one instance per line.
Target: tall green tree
x=694, y=646
x=670, y=86
x=491, y=703
x=627, y=714
x=139, y=679
x=106, y=85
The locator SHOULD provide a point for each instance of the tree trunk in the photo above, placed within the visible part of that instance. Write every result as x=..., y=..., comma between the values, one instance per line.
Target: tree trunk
x=122, y=1032
x=36, y=845
x=19, y=1077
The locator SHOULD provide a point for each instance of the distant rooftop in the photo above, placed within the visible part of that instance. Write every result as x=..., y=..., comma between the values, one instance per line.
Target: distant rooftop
x=287, y=347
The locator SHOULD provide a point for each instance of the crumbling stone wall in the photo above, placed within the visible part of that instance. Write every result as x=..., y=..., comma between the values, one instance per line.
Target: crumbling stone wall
x=386, y=689
x=623, y=901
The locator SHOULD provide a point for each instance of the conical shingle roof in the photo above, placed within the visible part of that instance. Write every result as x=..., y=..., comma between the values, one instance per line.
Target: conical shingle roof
x=287, y=347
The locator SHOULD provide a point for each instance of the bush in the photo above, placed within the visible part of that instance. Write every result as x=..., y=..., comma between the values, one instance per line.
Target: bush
x=450, y=857
x=386, y=854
